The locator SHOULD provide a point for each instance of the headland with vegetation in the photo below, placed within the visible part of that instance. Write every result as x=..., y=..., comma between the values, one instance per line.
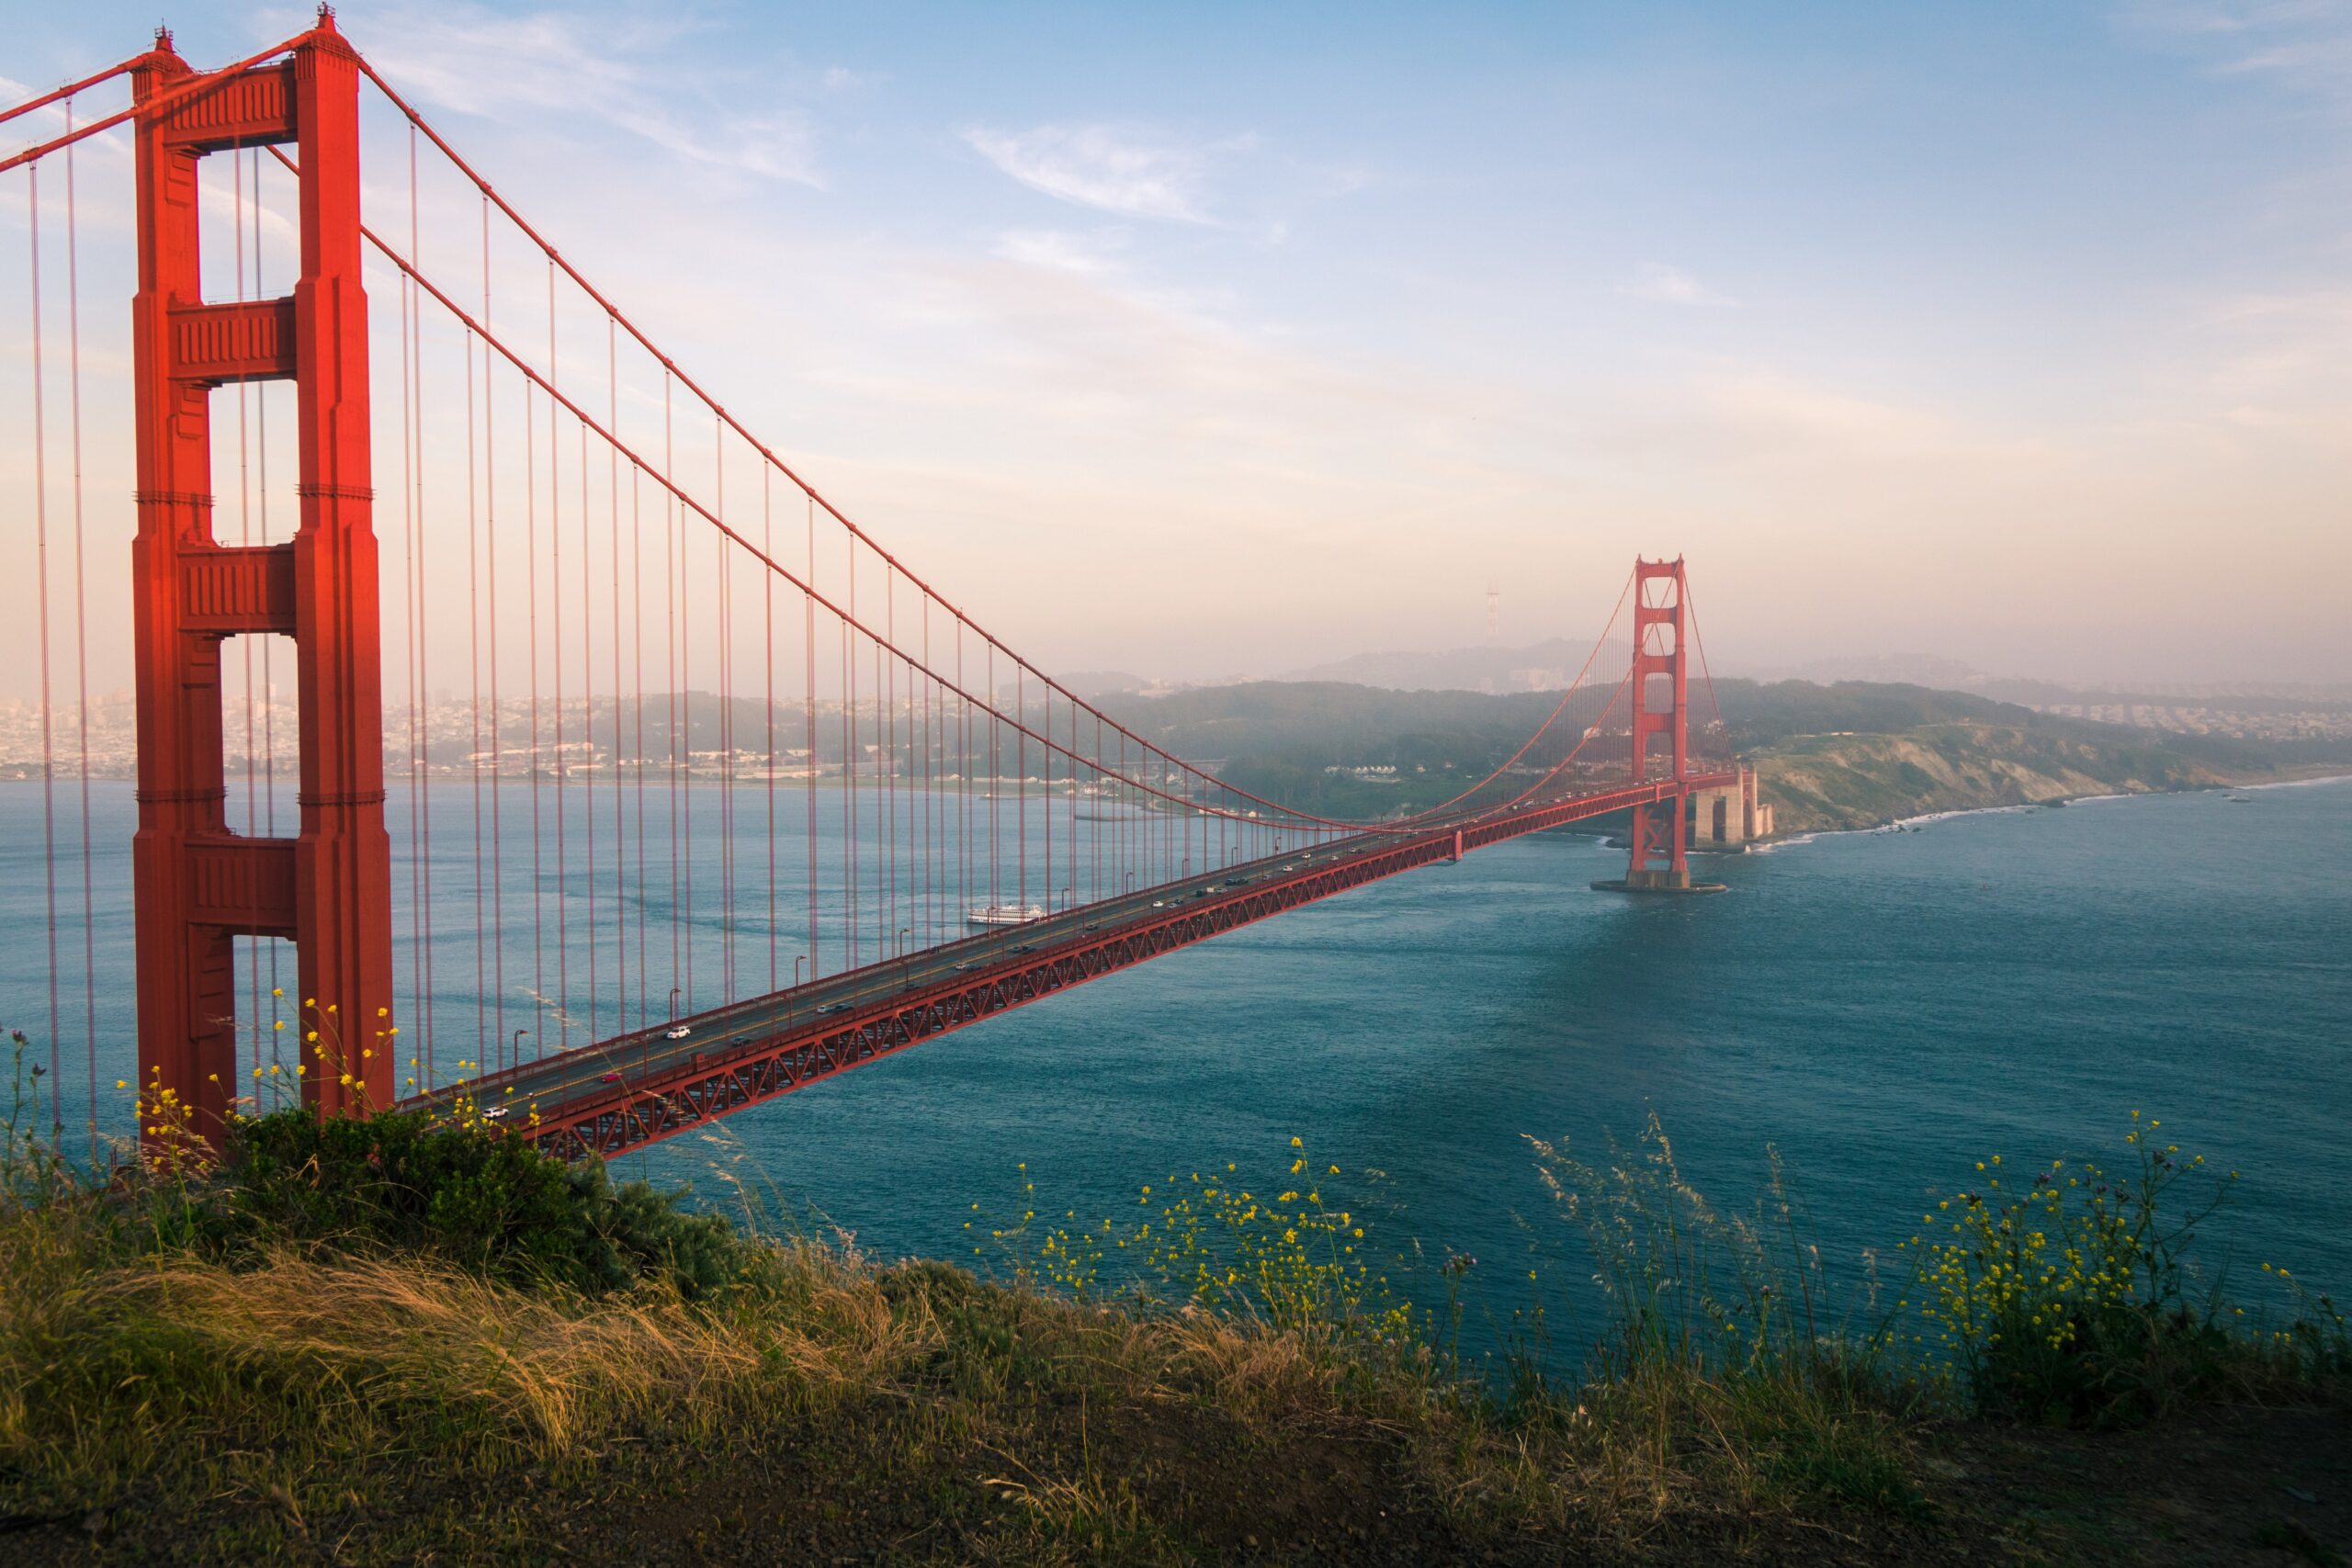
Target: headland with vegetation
x=1847, y=755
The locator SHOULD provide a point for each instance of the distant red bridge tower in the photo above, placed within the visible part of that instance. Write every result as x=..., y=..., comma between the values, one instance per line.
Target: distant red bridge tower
x=199, y=885
x=1661, y=690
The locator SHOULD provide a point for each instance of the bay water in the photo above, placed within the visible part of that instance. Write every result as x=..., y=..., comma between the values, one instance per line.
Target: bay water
x=1882, y=1008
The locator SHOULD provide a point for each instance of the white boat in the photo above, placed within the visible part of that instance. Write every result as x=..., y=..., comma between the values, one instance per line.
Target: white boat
x=1004, y=915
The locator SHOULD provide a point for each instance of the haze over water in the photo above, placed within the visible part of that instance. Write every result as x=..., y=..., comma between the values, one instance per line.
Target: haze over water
x=1886, y=1008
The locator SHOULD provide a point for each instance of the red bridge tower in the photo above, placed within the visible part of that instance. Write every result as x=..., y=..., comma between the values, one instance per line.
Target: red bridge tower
x=199, y=885
x=1661, y=676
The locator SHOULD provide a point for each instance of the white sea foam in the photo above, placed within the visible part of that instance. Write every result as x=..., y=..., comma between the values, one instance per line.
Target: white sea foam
x=1947, y=816
x=2302, y=783
x=1779, y=844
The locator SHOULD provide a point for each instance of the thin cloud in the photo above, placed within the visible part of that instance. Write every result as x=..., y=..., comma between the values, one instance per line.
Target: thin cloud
x=2307, y=44
x=513, y=67
x=1104, y=167
x=778, y=147
x=1663, y=285
x=1089, y=255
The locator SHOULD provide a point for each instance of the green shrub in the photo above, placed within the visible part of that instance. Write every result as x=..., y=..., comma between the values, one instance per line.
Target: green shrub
x=2065, y=1295
x=483, y=1199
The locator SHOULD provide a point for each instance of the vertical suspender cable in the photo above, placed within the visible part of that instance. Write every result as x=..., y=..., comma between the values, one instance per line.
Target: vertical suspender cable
x=588, y=727
x=40, y=554
x=1021, y=778
x=670, y=645
x=850, y=848
x=887, y=784
x=687, y=752
x=963, y=779
x=996, y=835
x=497, y=721
x=555, y=646
x=809, y=736
x=930, y=786
x=1071, y=815
x=1046, y=803
x=411, y=416
x=473, y=655
x=724, y=561
x=422, y=688
x=531, y=667
x=767, y=597
x=637, y=638
x=81, y=646
x=620, y=836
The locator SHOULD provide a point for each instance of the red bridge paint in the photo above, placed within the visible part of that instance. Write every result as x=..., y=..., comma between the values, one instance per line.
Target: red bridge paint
x=198, y=884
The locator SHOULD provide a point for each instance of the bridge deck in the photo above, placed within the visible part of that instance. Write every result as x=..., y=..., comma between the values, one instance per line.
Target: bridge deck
x=639, y=1087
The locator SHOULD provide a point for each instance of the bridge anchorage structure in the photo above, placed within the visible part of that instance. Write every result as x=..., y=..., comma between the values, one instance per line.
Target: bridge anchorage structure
x=727, y=798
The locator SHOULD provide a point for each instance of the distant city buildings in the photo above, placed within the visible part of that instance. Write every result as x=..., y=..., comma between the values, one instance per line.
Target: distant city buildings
x=2314, y=723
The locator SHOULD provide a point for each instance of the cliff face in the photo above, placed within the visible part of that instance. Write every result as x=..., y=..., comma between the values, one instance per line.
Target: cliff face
x=1817, y=781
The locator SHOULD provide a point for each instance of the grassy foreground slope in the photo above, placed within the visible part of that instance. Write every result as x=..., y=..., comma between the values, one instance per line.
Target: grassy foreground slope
x=395, y=1342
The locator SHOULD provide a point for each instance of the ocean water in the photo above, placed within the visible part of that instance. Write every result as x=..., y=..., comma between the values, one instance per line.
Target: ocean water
x=1882, y=1008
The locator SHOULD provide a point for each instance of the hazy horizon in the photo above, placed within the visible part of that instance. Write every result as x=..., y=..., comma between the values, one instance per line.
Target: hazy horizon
x=1203, y=342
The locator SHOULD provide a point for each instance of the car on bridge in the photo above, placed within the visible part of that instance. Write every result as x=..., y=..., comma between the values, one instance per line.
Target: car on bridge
x=678, y=1033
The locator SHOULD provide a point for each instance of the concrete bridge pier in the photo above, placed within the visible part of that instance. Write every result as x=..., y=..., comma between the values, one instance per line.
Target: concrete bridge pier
x=1728, y=816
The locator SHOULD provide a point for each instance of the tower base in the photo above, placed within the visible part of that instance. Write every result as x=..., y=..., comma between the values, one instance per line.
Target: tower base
x=1657, y=881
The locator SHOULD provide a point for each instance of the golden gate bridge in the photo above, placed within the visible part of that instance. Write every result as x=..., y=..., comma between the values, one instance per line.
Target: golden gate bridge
x=916, y=827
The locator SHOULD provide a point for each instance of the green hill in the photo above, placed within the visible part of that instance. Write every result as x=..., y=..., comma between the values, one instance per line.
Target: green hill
x=1845, y=755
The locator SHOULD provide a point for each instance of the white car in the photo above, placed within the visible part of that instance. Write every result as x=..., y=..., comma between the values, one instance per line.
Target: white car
x=493, y=1113
x=678, y=1033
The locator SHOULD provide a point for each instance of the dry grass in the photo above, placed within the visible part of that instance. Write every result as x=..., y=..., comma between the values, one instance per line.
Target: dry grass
x=139, y=1382
x=257, y=1403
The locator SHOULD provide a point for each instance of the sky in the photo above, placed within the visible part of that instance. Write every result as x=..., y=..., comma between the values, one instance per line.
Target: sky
x=1205, y=340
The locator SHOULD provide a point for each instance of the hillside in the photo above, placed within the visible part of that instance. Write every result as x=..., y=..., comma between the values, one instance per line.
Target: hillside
x=1818, y=782
x=1845, y=755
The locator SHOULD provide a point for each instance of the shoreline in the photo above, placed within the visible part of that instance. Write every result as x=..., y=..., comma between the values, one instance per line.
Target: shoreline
x=2018, y=808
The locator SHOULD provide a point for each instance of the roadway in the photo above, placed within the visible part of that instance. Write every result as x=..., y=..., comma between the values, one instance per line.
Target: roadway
x=651, y=1052
x=647, y=1067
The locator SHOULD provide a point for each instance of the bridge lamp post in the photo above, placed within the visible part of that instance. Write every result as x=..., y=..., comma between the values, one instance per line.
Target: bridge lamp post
x=903, y=965
x=514, y=1047
x=673, y=1002
x=1065, y=897
x=797, y=960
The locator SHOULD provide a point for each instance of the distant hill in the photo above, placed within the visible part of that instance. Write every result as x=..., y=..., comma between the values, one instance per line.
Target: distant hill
x=1847, y=754
x=1892, y=669
x=1818, y=782
x=1095, y=684
x=1545, y=667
